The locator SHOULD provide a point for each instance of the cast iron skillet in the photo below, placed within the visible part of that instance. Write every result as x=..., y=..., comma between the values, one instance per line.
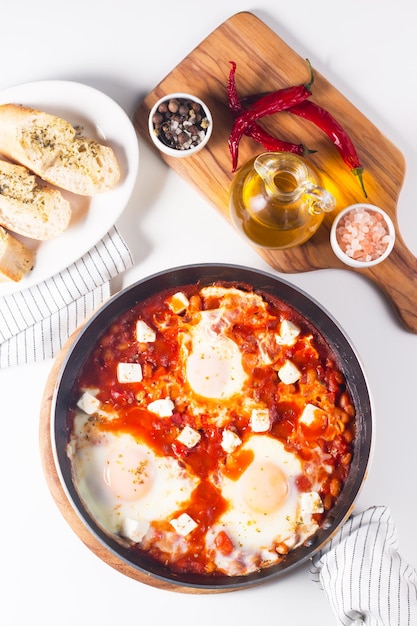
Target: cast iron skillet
x=348, y=362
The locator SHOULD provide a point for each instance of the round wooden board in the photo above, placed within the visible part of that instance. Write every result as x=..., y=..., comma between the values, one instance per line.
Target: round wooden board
x=267, y=64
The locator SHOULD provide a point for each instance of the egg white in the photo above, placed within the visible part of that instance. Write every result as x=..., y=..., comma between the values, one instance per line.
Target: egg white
x=213, y=361
x=214, y=364
x=263, y=507
x=119, y=479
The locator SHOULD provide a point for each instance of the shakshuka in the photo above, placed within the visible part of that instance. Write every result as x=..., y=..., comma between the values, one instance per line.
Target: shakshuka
x=211, y=429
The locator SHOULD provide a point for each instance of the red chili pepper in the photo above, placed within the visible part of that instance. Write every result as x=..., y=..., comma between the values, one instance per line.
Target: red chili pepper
x=272, y=144
x=233, y=98
x=333, y=129
x=266, y=105
x=254, y=130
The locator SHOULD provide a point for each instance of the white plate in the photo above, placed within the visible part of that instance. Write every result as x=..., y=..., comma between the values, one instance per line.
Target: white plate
x=101, y=119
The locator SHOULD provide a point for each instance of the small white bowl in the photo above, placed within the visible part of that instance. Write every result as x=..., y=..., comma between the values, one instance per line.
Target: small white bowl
x=204, y=131
x=342, y=255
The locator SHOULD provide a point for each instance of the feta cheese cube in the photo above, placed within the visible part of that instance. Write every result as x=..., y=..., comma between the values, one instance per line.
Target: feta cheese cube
x=164, y=407
x=230, y=441
x=310, y=503
x=289, y=373
x=129, y=372
x=135, y=530
x=309, y=414
x=144, y=333
x=260, y=420
x=288, y=333
x=184, y=524
x=189, y=437
x=178, y=302
x=88, y=403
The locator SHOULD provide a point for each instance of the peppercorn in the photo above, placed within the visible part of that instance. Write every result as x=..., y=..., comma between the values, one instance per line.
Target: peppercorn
x=180, y=123
x=157, y=118
x=173, y=105
x=182, y=138
x=183, y=109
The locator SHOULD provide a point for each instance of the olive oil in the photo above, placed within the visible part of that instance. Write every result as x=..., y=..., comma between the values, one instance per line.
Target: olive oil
x=275, y=202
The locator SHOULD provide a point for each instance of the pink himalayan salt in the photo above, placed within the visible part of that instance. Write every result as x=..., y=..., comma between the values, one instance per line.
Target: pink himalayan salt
x=363, y=234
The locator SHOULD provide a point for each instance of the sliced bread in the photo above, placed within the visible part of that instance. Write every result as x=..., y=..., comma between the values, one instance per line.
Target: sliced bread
x=16, y=259
x=56, y=151
x=28, y=207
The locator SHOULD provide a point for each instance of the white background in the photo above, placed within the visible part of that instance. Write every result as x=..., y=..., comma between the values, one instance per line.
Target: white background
x=368, y=50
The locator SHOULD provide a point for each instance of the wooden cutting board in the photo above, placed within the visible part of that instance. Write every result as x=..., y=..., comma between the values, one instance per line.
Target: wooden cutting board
x=265, y=63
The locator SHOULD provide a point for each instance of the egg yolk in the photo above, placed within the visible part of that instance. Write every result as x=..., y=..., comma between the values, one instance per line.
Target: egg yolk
x=128, y=473
x=214, y=368
x=265, y=487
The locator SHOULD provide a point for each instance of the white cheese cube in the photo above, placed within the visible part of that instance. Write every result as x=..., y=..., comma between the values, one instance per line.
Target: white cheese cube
x=135, y=530
x=88, y=403
x=164, y=407
x=144, y=333
x=289, y=373
x=129, y=372
x=288, y=333
x=216, y=291
x=309, y=414
x=184, y=524
x=310, y=503
x=189, y=437
x=230, y=441
x=260, y=420
x=178, y=302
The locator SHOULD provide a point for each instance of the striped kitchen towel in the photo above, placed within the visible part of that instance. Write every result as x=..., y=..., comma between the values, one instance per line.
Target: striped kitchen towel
x=36, y=322
x=365, y=579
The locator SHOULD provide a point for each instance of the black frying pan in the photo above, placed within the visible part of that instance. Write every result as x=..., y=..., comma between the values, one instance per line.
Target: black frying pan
x=348, y=363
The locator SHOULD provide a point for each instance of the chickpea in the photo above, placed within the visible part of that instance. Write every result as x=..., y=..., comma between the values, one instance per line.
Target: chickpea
x=346, y=404
x=335, y=487
x=282, y=548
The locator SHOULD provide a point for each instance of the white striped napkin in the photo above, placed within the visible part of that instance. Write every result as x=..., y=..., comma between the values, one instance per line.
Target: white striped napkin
x=365, y=579
x=36, y=322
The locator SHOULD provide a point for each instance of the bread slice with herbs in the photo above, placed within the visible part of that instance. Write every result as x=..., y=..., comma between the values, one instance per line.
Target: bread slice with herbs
x=57, y=151
x=16, y=259
x=28, y=206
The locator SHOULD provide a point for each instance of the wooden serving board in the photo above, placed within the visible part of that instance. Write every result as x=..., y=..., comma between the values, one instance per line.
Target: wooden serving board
x=266, y=63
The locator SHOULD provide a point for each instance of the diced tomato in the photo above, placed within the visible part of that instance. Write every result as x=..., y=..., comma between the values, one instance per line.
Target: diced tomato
x=223, y=543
